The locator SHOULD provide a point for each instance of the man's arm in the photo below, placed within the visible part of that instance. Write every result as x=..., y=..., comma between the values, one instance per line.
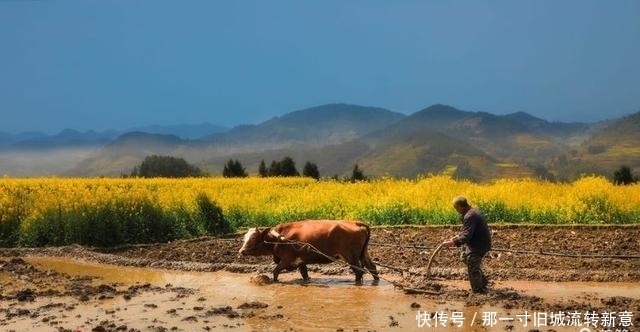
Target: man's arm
x=468, y=228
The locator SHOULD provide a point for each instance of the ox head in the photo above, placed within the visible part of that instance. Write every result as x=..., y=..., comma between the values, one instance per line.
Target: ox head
x=254, y=242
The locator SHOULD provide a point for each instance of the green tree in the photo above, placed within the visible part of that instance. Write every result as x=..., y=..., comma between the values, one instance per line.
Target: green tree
x=357, y=174
x=234, y=169
x=274, y=168
x=288, y=167
x=284, y=167
x=263, y=171
x=165, y=166
x=623, y=176
x=311, y=170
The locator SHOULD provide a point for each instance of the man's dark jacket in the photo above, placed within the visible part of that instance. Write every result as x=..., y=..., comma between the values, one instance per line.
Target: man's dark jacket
x=475, y=233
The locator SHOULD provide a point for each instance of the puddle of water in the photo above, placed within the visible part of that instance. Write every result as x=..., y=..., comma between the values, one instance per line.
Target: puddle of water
x=325, y=303
x=107, y=273
x=328, y=303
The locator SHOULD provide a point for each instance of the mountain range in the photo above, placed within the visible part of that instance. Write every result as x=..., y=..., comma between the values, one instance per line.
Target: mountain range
x=438, y=139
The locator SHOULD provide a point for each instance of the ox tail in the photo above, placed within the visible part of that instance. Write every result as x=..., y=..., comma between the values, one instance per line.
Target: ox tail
x=366, y=240
x=365, y=259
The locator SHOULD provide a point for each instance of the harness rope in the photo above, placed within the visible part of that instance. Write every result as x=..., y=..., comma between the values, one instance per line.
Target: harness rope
x=431, y=258
x=527, y=252
x=311, y=247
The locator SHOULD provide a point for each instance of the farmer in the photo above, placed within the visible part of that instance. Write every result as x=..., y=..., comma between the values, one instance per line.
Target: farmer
x=476, y=238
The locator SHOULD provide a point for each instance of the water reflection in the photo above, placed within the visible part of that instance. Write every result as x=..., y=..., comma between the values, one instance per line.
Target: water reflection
x=326, y=303
x=107, y=273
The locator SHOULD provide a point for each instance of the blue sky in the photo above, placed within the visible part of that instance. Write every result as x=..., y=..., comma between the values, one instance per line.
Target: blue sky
x=119, y=64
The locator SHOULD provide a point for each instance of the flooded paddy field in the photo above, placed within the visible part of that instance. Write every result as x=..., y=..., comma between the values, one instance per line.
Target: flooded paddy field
x=203, y=285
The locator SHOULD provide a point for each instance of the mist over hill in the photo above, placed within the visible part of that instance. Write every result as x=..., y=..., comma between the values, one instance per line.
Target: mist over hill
x=436, y=139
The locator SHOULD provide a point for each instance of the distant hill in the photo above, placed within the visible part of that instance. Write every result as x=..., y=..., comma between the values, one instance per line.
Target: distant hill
x=67, y=138
x=317, y=126
x=437, y=139
x=544, y=127
x=75, y=153
x=614, y=144
x=404, y=152
x=184, y=131
x=499, y=136
x=139, y=140
x=30, y=154
x=128, y=150
x=7, y=139
x=71, y=137
x=571, y=134
x=303, y=130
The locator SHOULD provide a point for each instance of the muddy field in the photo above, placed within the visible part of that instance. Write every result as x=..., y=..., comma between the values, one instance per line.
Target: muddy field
x=42, y=295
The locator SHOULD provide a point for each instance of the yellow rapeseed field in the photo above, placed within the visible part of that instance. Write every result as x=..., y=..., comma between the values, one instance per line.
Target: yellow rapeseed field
x=67, y=203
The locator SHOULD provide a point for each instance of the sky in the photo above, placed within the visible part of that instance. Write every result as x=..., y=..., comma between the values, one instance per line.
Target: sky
x=89, y=64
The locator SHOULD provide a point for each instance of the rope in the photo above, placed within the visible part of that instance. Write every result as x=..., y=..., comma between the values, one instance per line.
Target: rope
x=411, y=246
x=559, y=254
x=527, y=252
x=406, y=289
x=437, y=249
x=427, y=274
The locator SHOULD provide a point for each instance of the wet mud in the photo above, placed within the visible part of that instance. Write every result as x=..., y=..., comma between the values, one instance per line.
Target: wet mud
x=202, y=284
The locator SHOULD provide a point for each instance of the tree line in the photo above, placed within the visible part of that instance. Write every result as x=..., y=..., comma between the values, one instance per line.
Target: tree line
x=165, y=166
x=173, y=167
x=286, y=167
x=623, y=176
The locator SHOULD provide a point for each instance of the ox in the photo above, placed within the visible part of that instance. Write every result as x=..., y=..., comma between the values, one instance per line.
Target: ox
x=346, y=240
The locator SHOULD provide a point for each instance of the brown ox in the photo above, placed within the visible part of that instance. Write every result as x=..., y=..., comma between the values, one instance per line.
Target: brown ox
x=346, y=240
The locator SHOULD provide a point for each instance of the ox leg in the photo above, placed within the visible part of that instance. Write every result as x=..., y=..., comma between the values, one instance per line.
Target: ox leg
x=368, y=263
x=359, y=275
x=276, y=272
x=356, y=267
x=277, y=269
x=304, y=272
x=283, y=264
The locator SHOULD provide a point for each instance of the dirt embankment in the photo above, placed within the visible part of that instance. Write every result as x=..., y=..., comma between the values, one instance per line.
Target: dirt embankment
x=409, y=248
x=393, y=247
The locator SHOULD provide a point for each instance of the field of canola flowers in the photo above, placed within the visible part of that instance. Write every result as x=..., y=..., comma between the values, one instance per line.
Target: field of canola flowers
x=105, y=212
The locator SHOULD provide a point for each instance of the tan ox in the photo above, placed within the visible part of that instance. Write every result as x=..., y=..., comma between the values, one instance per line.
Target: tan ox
x=346, y=240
